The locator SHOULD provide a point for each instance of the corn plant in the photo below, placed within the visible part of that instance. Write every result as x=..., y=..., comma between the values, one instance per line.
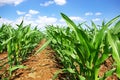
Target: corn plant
x=82, y=51
x=19, y=43
x=114, y=41
x=89, y=48
x=4, y=35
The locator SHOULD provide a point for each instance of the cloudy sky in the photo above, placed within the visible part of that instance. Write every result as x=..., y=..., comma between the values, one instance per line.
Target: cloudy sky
x=42, y=12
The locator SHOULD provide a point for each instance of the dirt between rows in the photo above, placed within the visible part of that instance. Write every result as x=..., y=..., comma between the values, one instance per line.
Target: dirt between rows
x=43, y=66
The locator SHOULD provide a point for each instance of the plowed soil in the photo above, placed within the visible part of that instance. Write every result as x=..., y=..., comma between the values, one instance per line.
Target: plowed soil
x=43, y=66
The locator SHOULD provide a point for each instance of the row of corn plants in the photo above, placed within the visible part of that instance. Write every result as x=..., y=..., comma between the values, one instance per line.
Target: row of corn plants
x=83, y=50
x=18, y=43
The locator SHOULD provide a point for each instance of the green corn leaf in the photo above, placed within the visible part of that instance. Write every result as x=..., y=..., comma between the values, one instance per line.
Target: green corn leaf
x=29, y=33
x=29, y=46
x=115, y=52
x=43, y=46
x=107, y=74
x=20, y=25
x=110, y=72
x=112, y=42
x=70, y=23
x=102, y=59
x=94, y=26
x=104, y=54
x=99, y=37
x=81, y=77
x=81, y=36
x=17, y=67
x=70, y=70
x=116, y=28
x=5, y=42
x=113, y=20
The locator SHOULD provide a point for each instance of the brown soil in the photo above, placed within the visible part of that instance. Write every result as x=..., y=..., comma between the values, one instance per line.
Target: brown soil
x=106, y=66
x=3, y=63
x=43, y=66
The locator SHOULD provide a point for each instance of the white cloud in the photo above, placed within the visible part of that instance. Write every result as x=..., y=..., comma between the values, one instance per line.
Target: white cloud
x=61, y=20
x=75, y=18
x=33, y=12
x=28, y=15
x=57, y=2
x=88, y=14
x=40, y=21
x=60, y=2
x=20, y=12
x=5, y=21
x=98, y=13
x=46, y=20
x=47, y=3
x=14, y=2
x=96, y=19
x=26, y=20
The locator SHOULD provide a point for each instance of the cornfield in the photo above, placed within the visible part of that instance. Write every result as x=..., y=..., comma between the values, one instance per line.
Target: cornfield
x=80, y=50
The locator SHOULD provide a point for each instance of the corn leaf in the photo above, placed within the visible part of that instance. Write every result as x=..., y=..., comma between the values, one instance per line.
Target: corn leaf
x=43, y=46
x=81, y=36
x=115, y=51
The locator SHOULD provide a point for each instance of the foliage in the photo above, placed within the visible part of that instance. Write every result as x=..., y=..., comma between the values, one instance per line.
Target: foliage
x=18, y=43
x=82, y=51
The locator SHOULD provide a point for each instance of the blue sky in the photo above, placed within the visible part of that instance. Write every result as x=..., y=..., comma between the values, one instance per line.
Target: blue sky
x=42, y=12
